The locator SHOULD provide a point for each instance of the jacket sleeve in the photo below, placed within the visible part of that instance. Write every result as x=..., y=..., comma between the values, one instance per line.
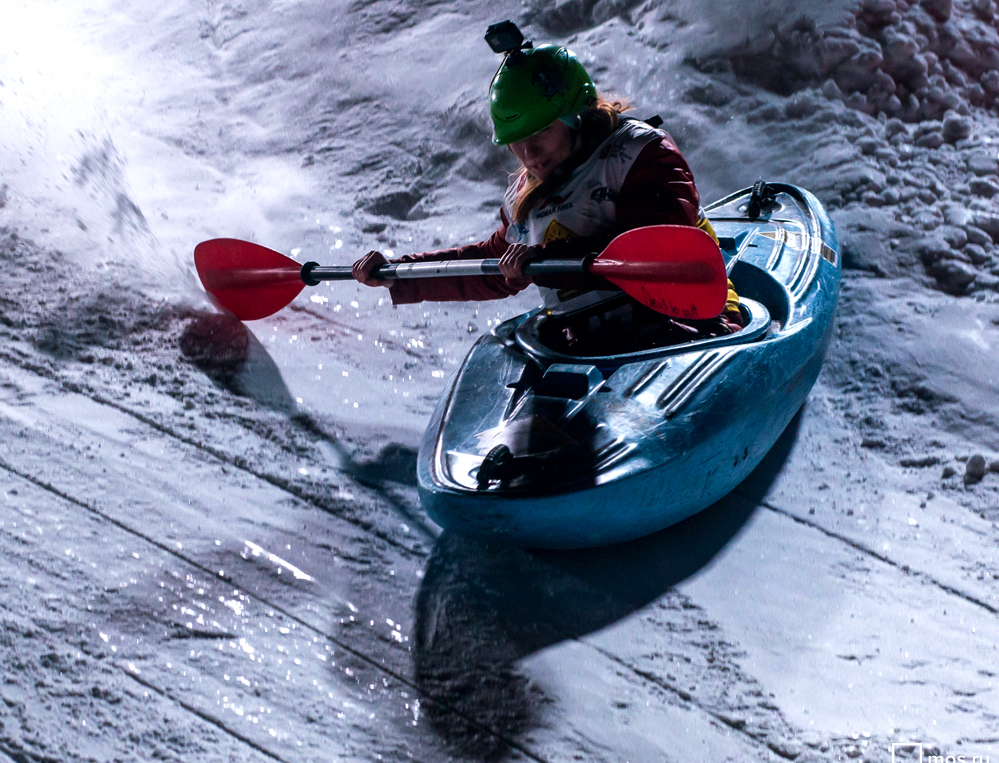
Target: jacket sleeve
x=658, y=190
x=456, y=288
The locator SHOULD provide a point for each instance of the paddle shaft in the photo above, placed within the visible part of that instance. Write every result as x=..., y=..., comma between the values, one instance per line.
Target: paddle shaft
x=312, y=273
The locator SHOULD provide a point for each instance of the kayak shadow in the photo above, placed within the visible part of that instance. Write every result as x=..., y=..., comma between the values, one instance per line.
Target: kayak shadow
x=482, y=606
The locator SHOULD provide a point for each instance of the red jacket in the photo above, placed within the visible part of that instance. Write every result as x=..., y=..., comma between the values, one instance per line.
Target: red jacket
x=658, y=190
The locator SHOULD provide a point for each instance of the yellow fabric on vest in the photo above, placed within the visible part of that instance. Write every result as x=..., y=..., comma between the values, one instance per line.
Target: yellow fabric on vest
x=732, y=301
x=705, y=225
x=556, y=232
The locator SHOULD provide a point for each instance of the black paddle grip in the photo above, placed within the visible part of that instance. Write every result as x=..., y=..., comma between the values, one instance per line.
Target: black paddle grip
x=307, y=278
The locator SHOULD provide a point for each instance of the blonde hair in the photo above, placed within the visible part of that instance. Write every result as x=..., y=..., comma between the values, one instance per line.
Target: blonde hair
x=597, y=121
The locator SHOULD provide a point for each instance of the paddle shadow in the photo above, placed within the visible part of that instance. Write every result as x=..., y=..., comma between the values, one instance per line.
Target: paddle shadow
x=228, y=353
x=482, y=606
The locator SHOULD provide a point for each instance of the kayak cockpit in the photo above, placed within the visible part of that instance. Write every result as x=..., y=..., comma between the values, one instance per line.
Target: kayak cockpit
x=622, y=331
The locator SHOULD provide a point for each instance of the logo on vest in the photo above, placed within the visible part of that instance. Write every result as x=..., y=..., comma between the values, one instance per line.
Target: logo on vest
x=556, y=231
x=558, y=204
x=604, y=194
x=614, y=151
x=518, y=231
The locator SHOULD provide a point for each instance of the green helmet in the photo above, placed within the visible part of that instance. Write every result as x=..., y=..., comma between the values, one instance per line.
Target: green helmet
x=533, y=88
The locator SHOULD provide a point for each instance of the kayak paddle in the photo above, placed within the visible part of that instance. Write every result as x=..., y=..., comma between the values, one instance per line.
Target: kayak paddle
x=676, y=270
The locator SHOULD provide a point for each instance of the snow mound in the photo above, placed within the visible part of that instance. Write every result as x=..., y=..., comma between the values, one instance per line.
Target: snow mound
x=911, y=91
x=912, y=61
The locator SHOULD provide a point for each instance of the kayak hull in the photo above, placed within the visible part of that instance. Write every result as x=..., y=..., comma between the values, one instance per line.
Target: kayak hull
x=603, y=448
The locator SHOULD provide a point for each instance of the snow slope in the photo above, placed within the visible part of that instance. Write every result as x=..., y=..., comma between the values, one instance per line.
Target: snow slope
x=211, y=543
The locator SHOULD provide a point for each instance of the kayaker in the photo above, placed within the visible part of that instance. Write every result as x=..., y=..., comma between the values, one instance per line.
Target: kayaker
x=587, y=174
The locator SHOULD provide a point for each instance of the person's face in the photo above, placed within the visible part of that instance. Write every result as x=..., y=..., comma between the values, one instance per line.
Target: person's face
x=544, y=151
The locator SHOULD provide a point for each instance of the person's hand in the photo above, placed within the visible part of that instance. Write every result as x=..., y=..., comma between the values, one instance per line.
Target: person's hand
x=512, y=264
x=363, y=267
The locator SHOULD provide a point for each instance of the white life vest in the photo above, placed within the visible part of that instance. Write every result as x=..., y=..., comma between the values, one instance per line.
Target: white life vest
x=585, y=205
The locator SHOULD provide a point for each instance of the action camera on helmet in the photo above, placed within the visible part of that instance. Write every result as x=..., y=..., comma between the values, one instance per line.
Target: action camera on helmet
x=504, y=37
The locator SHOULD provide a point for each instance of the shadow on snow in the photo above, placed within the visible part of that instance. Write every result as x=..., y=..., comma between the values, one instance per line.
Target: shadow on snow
x=483, y=606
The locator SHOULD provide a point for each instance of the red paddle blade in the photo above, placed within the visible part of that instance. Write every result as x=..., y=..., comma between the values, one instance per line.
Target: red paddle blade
x=677, y=270
x=248, y=280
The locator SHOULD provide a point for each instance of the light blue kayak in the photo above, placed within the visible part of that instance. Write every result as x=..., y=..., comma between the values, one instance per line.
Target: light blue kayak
x=545, y=443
